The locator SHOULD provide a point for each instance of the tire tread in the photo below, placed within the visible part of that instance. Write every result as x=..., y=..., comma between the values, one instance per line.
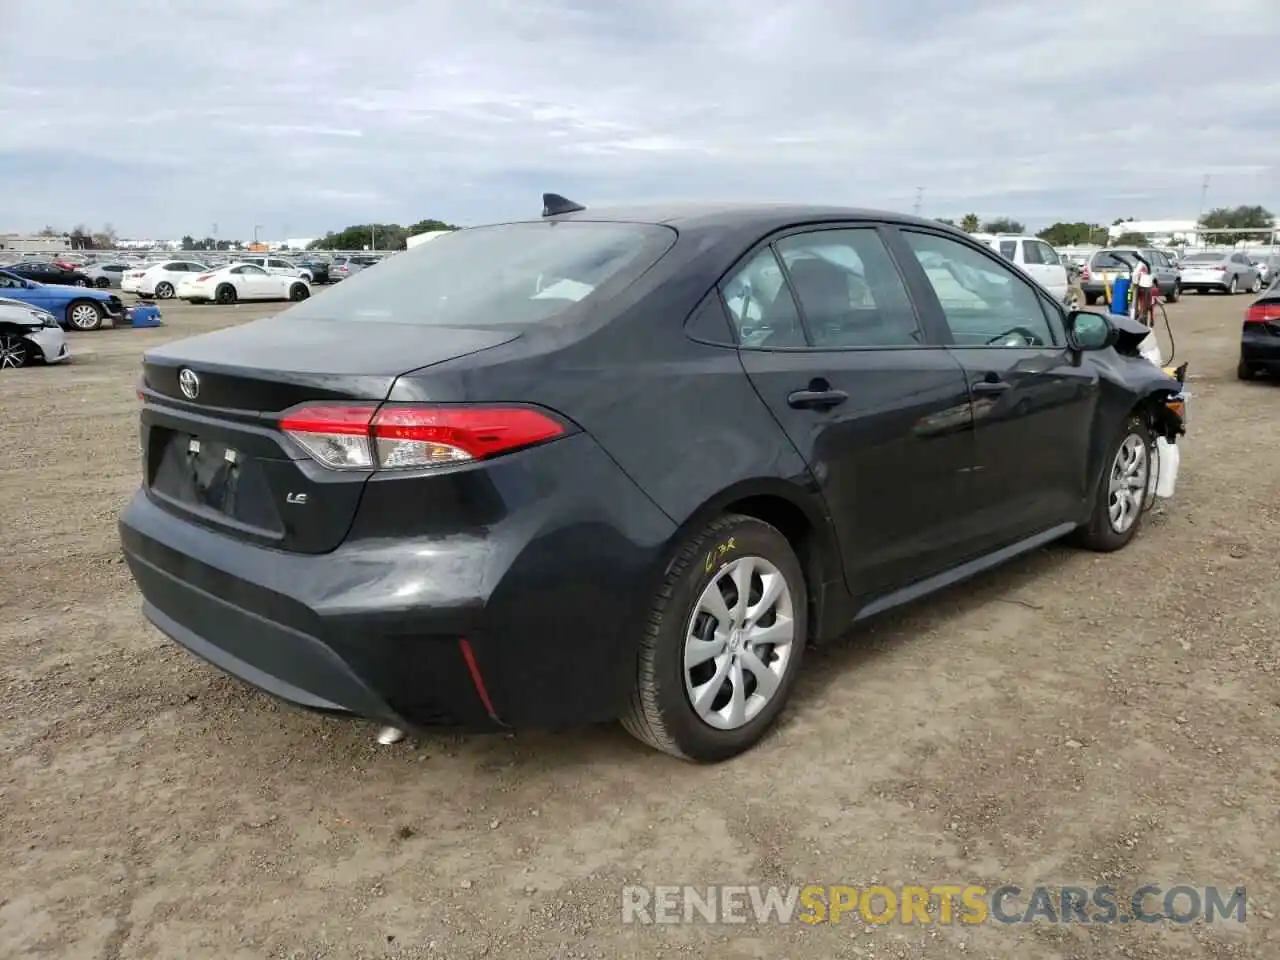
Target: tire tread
x=643, y=718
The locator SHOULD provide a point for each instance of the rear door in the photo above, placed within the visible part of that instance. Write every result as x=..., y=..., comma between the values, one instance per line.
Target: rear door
x=1032, y=404
x=833, y=344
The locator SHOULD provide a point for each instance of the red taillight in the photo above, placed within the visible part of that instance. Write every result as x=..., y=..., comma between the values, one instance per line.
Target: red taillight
x=1263, y=313
x=407, y=436
x=1084, y=273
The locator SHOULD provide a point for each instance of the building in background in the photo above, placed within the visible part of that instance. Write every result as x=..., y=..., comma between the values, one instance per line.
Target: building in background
x=27, y=243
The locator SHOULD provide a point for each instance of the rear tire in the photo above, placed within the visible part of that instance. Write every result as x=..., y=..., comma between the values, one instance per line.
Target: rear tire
x=1091, y=299
x=102, y=283
x=1256, y=286
x=164, y=290
x=734, y=657
x=84, y=315
x=298, y=292
x=1175, y=294
x=225, y=294
x=1233, y=287
x=1245, y=372
x=1121, y=494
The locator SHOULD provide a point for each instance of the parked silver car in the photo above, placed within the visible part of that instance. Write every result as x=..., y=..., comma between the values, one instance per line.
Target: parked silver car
x=1224, y=271
x=106, y=274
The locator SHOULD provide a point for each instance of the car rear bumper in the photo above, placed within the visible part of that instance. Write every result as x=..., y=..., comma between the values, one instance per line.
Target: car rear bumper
x=530, y=623
x=1260, y=350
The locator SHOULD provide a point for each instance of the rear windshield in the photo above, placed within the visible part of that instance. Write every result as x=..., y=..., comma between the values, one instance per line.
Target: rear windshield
x=1204, y=258
x=512, y=274
x=1114, y=260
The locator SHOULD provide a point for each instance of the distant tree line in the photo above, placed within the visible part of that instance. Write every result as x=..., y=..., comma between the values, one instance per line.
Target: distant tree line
x=377, y=236
x=208, y=243
x=82, y=239
x=1244, y=218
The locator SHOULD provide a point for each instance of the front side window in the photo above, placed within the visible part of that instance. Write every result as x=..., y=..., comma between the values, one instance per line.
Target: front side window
x=849, y=290
x=984, y=302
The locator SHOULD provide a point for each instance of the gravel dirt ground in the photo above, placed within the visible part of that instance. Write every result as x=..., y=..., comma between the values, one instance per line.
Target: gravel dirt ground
x=1073, y=718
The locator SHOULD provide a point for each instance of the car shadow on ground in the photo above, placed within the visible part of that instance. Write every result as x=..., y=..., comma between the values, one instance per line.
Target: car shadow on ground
x=836, y=664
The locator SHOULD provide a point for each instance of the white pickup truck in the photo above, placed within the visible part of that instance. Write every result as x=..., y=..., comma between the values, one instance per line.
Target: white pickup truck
x=1037, y=259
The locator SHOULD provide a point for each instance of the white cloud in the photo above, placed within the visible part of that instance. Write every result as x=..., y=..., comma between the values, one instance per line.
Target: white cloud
x=316, y=114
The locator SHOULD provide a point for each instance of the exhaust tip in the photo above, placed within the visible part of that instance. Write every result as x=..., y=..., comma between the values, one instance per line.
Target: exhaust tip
x=390, y=735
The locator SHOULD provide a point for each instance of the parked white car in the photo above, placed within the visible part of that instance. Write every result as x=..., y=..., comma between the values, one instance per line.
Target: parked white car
x=1036, y=258
x=242, y=281
x=160, y=280
x=28, y=333
x=278, y=266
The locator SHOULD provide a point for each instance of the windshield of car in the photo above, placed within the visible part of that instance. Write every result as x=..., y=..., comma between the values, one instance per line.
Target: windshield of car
x=1202, y=258
x=511, y=274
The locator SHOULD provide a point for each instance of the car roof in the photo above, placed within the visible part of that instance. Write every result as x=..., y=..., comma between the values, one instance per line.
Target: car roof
x=733, y=217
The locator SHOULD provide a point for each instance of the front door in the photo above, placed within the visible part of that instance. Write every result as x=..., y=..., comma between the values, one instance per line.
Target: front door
x=1032, y=400
x=832, y=343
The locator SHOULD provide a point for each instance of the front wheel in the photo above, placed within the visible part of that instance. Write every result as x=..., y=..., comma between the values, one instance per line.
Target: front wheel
x=1244, y=371
x=298, y=292
x=102, y=283
x=14, y=351
x=84, y=315
x=1122, y=490
x=1256, y=286
x=1233, y=286
x=722, y=646
x=1176, y=293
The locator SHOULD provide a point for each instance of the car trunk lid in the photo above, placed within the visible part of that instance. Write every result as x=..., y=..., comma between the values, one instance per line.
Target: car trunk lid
x=214, y=453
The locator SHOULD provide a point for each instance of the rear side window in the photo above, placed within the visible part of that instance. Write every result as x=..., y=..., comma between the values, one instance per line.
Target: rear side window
x=1009, y=249
x=1048, y=255
x=513, y=274
x=1031, y=252
x=849, y=290
x=761, y=307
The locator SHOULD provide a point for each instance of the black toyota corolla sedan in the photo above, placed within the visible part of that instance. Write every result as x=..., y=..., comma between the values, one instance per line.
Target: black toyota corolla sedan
x=623, y=463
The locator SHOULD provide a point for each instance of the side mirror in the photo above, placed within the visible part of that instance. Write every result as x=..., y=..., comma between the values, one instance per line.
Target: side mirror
x=1087, y=330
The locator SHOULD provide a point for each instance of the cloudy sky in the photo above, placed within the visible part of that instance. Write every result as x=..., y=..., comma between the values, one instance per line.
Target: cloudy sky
x=164, y=118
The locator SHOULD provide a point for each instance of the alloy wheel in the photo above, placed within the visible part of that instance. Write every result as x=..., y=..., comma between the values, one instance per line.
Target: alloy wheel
x=84, y=316
x=738, y=643
x=13, y=351
x=1130, y=472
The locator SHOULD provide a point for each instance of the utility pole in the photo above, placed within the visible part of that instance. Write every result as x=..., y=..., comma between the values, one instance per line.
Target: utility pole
x=373, y=238
x=919, y=198
x=256, y=228
x=1204, y=192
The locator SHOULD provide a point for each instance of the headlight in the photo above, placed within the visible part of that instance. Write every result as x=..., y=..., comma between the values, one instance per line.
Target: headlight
x=44, y=318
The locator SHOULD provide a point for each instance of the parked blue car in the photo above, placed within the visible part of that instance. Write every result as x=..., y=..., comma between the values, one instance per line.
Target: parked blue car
x=77, y=308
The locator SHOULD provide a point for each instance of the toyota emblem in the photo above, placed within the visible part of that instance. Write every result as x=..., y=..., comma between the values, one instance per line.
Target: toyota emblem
x=189, y=383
